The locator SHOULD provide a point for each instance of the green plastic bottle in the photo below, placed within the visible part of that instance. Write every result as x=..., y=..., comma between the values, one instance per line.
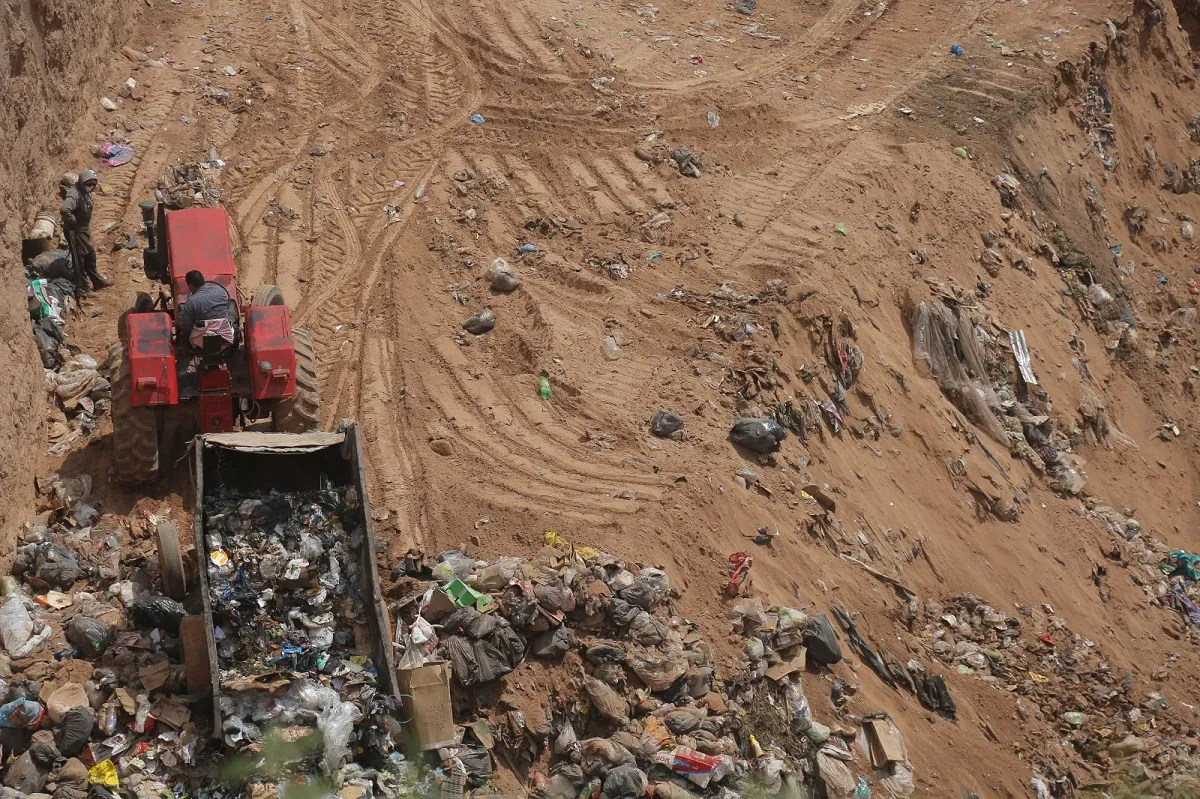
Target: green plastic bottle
x=544, y=387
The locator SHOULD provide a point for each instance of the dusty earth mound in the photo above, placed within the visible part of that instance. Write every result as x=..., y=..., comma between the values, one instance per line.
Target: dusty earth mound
x=877, y=224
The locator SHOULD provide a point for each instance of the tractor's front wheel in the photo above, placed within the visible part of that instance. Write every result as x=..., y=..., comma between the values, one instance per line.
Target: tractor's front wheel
x=301, y=413
x=135, y=430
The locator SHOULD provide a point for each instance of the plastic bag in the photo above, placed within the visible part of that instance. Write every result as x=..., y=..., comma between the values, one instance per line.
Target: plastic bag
x=566, y=741
x=946, y=349
x=89, y=636
x=604, y=652
x=501, y=277
x=667, y=425
x=477, y=762
x=757, y=435
x=798, y=705
x=76, y=728
x=64, y=699
x=659, y=674
x=336, y=722
x=21, y=713
x=497, y=576
x=837, y=776
x=790, y=619
x=480, y=322
x=552, y=644
x=621, y=612
x=160, y=612
x=16, y=625
x=451, y=564
x=608, y=702
x=625, y=782
x=747, y=615
x=821, y=641
x=609, y=752
x=682, y=722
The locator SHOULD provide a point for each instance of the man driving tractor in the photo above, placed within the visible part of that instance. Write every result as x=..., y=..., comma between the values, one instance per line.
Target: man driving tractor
x=206, y=312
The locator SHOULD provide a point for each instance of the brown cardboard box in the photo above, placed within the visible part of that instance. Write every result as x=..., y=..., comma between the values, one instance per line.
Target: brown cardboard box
x=427, y=702
x=884, y=748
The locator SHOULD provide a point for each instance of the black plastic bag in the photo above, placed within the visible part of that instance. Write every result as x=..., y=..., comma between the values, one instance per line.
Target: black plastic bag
x=821, y=641
x=458, y=650
x=478, y=763
x=52, y=264
x=624, y=782
x=89, y=636
x=552, y=644
x=75, y=730
x=643, y=593
x=933, y=695
x=622, y=613
x=757, y=435
x=499, y=653
x=667, y=425
x=164, y=613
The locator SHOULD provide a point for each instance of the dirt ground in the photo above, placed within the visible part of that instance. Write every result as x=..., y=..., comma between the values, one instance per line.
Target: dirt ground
x=359, y=180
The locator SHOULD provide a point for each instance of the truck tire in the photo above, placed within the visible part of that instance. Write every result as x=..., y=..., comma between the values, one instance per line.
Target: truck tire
x=135, y=430
x=170, y=560
x=267, y=295
x=301, y=413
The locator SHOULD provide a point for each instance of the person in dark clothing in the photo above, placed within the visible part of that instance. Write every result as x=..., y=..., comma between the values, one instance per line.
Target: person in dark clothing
x=76, y=212
x=206, y=312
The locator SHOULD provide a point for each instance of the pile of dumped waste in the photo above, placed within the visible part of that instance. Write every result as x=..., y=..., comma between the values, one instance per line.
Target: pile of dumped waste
x=640, y=703
x=286, y=596
x=1105, y=718
x=78, y=394
x=92, y=681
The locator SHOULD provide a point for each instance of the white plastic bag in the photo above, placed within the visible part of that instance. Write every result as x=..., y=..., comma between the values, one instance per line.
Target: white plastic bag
x=16, y=625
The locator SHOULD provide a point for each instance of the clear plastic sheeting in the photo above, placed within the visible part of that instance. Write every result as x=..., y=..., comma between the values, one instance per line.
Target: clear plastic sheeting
x=945, y=348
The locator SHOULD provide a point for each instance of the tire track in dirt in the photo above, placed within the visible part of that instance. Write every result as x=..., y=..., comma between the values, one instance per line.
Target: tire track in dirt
x=776, y=236
x=360, y=283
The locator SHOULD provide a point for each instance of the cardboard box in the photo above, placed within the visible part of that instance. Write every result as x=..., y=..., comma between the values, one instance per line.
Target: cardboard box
x=427, y=702
x=884, y=747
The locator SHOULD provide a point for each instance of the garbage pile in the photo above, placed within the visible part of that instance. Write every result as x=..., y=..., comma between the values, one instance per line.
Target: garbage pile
x=78, y=394
x=636, y=702
x=287, y=595
x=1103, y=715
x=92, y=690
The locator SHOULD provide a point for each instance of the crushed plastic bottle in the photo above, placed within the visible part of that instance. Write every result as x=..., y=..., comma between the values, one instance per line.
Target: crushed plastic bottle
x=612, y=350
x=544, y=387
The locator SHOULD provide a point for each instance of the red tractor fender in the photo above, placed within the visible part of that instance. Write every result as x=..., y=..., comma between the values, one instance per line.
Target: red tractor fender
x=270, y=352
x=152, y=376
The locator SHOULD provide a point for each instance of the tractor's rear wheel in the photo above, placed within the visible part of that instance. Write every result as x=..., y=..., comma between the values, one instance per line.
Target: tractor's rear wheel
x=301, y=413
x=267, y=295
x=135, y=430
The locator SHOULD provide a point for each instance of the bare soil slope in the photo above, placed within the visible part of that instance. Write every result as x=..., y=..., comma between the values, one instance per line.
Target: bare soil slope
x=52, y=54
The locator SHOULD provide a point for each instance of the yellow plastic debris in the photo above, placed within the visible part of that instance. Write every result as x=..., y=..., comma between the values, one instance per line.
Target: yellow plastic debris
x=104, y=773
x=557, y=541
x=1038, y=678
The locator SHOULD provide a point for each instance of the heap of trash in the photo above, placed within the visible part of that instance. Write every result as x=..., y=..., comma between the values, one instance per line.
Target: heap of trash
x=286, y=596
x=640, y=705
x=92, y=686
x=1105, y=717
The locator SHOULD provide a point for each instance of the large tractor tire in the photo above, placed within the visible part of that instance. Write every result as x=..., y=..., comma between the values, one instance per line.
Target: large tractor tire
x=135, y=430
x=267, y=295
x=301, y=413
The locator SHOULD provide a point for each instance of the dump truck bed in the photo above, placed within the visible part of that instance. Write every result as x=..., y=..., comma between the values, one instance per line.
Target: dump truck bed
x=255, y=464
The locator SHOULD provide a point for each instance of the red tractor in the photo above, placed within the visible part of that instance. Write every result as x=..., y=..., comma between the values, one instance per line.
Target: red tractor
x=269, y=371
